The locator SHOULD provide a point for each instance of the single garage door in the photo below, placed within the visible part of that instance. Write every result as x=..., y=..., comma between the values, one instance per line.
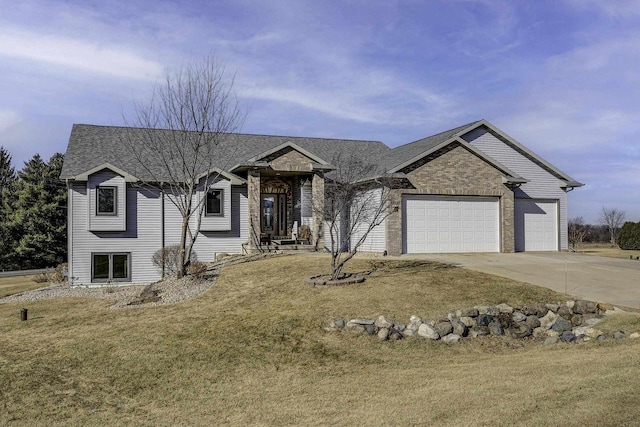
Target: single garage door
x=451, y=224
x=536, y=225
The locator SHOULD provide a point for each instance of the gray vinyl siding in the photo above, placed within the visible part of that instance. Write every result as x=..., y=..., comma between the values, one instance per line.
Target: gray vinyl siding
x=141, y=239
x=217, y=222
x=542, y=184
x=376, y=240
x=116, y=222
x=208, y=243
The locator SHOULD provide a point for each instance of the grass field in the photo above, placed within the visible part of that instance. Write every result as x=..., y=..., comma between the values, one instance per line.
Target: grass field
x=252, y=351
x=607, y=250
x=17, y=284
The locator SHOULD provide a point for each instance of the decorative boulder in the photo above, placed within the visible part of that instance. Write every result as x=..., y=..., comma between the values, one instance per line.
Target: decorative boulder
x=548, y=320
x=371, y=329
x=469, y=322
x=427, y=331
x=519, y=316
x=584, y=307
x=551, y=340
x=394, y=335
x=479, y=331
x=382, y=322
x=495, y=328
x=444, y=328
x=383, y=334
x=533, y=322
x=568, y=336
x=565, y=312
x=459, y=328
x=451, y=338
x=561, y=324
x=484, y=319
x=520, y=330
x=504, y=308
x=576, y=319
x=467, y=312
x=619, y=335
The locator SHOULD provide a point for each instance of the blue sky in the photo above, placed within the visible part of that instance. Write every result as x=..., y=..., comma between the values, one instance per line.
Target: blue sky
x=560, y=76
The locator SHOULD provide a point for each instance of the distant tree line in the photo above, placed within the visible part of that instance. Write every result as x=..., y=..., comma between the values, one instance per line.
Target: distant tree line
x=608, y=230
x=33, y=213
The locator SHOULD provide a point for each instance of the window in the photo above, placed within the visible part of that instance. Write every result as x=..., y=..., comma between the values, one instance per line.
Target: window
x=111, y=267
x=214, y=202
x=106, y=200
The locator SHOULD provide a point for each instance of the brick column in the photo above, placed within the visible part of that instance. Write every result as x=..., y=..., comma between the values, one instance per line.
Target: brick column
x=253, y=196
x=317, y=191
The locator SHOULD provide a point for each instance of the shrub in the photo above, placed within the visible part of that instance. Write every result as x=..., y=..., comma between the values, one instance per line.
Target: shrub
x=629, y=238
x=197, y=269
x=167, y=259
x=58, y=275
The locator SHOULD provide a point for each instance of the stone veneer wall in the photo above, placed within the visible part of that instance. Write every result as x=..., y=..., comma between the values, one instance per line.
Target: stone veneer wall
x=454, y=170
x=253, y=194
x=318, y=210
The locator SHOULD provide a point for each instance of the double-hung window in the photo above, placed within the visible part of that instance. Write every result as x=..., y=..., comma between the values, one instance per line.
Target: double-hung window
x=106, y=200
x=214, y=203
x=106, y=267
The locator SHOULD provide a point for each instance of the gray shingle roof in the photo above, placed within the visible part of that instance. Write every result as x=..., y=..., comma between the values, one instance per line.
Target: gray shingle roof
x=404, y=153
x=91, y=146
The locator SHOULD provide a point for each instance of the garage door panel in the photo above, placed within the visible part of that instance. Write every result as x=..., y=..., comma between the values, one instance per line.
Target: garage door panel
x=455, y=224
x=536, y=225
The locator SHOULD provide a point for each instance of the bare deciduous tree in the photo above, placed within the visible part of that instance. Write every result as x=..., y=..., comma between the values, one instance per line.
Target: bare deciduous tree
x=613, y=219
x=354, y=205
x=577, y=231
x=197, y=104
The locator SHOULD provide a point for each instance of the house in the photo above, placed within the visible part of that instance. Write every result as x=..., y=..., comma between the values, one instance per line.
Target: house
x=469, y=189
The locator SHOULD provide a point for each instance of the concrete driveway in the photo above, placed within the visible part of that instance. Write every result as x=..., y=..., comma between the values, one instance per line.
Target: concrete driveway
x=612, y=280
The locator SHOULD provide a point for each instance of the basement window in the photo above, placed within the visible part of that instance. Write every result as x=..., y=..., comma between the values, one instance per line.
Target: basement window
x=107, y=267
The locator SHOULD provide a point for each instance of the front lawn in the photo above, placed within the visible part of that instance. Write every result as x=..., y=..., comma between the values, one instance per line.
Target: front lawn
x=17, y=284
x=252, y=351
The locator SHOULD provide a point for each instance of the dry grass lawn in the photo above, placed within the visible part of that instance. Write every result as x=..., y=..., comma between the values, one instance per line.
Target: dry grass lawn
x=17, y=284
x=606, y=250
x=252, y=351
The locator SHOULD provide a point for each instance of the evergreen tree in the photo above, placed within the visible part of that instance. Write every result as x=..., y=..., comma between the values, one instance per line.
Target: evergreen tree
x=7, y=180
x=35, y=222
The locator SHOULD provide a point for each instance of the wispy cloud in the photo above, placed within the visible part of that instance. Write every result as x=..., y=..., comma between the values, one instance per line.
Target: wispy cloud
x=79, y=55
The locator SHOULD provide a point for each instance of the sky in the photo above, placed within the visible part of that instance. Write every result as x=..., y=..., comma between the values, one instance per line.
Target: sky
x=560, y=76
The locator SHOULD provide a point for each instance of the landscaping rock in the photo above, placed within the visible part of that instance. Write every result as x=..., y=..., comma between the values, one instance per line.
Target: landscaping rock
x=504, y=308
x=383, y=334
x=619, y=335
x=603, y=307
x=519, y=316
x=561, y=325
x=551, y=340
x=451, y=338
x=339, y=323
x=565, y=312
x=535, y=310
x=539, y=332
x=427, y=331
x=415, y=319
x=467, y=312
x=601, y=337
x=570, y=303
x=409, y=332
x=479, y=331
x=482, y=309
x=394, y=335
x=362, y=321
x=594, y=333
x=443, y=328
x=634, y=336
x=584, y=307
x=382, y=322
x=399, y=327
x=548, y=320
x=484, y=319
x=371, y=329
x=533, y=322
x=469, y=322
x=520, y=330
x=580, y=331
x=495, y=328
x=576, y=320
x=551, y=333
x=552, y=307
x=568, y=336
x=459, y=328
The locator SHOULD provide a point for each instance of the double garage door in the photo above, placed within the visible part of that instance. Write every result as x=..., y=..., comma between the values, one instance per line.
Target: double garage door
x=434, y=224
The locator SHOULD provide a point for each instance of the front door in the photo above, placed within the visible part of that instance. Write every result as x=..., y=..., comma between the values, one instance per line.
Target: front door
x=273, y=208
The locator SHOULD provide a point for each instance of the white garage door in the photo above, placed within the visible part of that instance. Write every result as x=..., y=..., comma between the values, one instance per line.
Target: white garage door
x=536, y=225
x=451, y=224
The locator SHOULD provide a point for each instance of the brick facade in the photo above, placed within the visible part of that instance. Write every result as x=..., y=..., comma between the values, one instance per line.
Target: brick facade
x=456, y=171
